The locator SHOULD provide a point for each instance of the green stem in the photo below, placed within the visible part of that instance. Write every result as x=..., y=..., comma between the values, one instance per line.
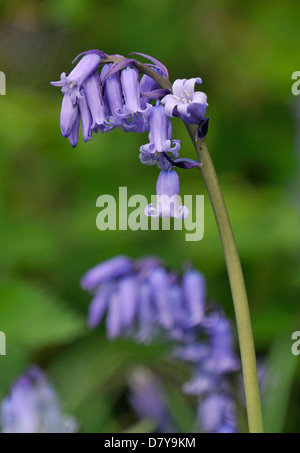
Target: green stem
x=234, y=268
x=237, y=285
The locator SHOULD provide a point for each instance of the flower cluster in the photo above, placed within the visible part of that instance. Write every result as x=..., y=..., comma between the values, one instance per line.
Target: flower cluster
x=145, y=301
x=120, y=95
x=33, y=407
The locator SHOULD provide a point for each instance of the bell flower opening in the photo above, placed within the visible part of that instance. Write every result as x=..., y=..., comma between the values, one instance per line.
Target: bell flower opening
x=185, y=102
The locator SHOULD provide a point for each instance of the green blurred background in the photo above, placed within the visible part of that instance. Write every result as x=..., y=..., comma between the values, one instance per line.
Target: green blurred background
x=245, y=53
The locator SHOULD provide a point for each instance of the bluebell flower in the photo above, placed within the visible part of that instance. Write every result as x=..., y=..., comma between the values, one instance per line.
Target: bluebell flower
x=68, y=116
x=72, y=83
x=167, y=191
x=148, y=400
x=216, y=414
x=160, y=138
x=113, y=95
x=107, y=271
x=33, y=407
x=194, y=293
x=131, y=93
x=185, y=102
x=95, y=101
x=85, y=117
x=223, y=358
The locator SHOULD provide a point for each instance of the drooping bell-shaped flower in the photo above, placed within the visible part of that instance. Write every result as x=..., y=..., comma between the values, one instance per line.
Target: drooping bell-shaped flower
x=94, y=99
x=68, y=116
x=112, y=94
x=33, y=407
x=85, y=117
x=185, y=102
x=106, y=271
x=216, y=414
x=137, y=116
x=223, y=358
x=131, y=92
x=72, y=83
x=160, y=137
x=167, y=191
x=193, y=286
x=160, y=288
x=145, y=314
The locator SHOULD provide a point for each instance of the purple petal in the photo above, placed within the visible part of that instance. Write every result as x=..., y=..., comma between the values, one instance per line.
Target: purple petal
x=99, y=305
x=128, y=293
x=68, y=115
x=86, y=66
x=189, y=85
x=194, y=293
x=94, y=99
x=88, y=52
x=109, y=270
x=160, y=288
x=113, y=93
x=131, y=90
x=115, y=68
x=74, y=134
x=113, y=319
x=86, y=119
x=157, y=63
x=145, y=313
x=178, y=87
x=168, y=183
x=155, y=94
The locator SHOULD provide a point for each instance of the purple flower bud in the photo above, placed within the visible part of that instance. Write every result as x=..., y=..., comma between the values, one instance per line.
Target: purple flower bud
x=104, y=272
x=131, y=92
x=113, y=94
x=114, y=317
x=95, y=102
x=99, y=304
x=223, y=357
x=185, y=102
x=217, y=414
x=160, y=289
x=193, y=286
x=72, y=83
x=167, y=190
x=128, y=294
x=145, y=313
x=68, y=116
x=86, y=119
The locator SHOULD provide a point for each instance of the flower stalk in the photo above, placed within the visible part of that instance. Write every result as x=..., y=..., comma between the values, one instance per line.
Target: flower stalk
x=234, y=269
x=237, y=284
